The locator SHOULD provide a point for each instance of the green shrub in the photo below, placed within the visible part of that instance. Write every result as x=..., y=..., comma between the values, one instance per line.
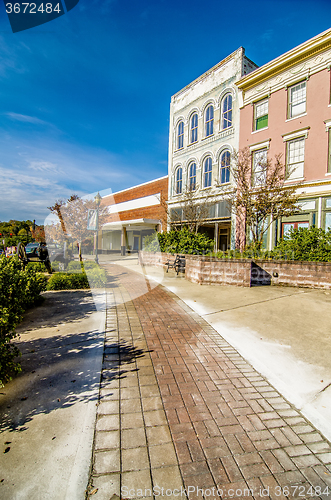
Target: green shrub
x=78, y=275
x=96, y=276
x=38, y=267
x=310, y=244
x=151, y=243
x=19, y=289
x=67, y=281
x=75, y=266
x=182, y=241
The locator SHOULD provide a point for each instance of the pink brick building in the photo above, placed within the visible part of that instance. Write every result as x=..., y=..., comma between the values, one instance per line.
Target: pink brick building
x=286, y=108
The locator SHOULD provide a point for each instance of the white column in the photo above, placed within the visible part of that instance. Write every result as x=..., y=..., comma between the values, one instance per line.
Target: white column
x=319, y=212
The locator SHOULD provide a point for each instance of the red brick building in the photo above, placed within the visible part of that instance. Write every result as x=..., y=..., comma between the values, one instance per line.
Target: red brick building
x=134, y=213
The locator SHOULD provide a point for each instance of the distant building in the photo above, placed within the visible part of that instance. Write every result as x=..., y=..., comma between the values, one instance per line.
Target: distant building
x=204, y=132
x=134, y=213
x=286, y=108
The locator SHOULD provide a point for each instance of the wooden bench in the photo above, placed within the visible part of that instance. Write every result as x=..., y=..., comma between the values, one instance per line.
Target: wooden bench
x=178, y=264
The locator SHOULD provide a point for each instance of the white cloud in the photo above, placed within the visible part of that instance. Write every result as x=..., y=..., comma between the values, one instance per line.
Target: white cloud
x=43, y=166
x=33, y=177
x=26, y=118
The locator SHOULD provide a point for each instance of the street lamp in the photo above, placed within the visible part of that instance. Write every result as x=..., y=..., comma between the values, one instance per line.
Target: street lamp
x=97, y=200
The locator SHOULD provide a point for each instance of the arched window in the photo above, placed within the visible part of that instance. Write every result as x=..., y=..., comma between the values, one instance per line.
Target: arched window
x=192, y=176
x=180, y=135
x=209, y=120
x=194, y=128
x=227, y=111
x=179, y=180
x=225, y=167
x=207, y=172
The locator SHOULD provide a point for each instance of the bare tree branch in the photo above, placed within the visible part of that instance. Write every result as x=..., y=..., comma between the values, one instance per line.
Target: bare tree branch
x=261, y=195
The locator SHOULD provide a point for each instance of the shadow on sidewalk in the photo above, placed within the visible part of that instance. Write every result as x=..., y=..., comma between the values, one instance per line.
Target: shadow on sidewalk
x=58, y=307
x=57, y=372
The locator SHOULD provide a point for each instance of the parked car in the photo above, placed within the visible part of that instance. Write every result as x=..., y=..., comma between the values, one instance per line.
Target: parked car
x=56, y=253
x=32, y=251
x=36, y=252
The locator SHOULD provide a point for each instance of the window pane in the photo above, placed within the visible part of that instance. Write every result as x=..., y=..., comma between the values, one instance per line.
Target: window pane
x=179, y=174
x=180, y=141
x=261, y=109
x=327, y=221
x=261, y=122
x=298, y=99
x=194, y=128
x=192, y=176
x=207, y=172
x=227, y=111
x=261, y=114
x=225, y=167
x=287, y=228
x=296, y=156
x=259, y=166
x=209, y=120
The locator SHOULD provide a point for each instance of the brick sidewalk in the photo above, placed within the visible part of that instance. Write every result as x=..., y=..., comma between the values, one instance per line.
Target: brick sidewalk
x=180, y=408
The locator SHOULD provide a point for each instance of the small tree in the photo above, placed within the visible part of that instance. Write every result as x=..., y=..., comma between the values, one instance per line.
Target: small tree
x=72, y=219
x=193, y=211
x=260, y=196
x=38, y=233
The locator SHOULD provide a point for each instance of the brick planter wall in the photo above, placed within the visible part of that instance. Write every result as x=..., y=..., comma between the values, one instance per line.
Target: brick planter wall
x=297, y=273
x=246, y=272
x=154, y=259
x=209, y=270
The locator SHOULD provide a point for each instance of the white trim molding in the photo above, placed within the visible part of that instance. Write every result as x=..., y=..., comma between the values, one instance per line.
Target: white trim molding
x=295, y=135
x=260, y=145
x=327, y=124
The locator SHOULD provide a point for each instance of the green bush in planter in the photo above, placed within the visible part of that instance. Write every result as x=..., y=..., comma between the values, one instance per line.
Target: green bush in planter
x=182, y=241
x=310, y=244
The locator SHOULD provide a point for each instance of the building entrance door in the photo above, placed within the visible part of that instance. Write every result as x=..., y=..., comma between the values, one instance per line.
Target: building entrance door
x=224, y=238
x=136, y=243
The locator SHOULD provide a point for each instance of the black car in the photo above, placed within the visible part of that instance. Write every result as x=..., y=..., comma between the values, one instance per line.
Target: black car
x=32, y=251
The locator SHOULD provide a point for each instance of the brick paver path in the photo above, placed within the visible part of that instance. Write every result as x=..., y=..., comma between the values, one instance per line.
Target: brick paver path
x=180, y=409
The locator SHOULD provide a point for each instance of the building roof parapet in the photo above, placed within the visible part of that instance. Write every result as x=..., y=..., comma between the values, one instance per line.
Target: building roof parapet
x=312, y=47
x=136, y=187
x=240, y=50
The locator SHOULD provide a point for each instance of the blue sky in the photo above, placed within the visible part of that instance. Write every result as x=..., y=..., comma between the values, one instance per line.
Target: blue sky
x=84, y=99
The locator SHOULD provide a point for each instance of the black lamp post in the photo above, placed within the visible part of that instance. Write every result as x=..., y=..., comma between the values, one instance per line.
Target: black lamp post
x=97, y=200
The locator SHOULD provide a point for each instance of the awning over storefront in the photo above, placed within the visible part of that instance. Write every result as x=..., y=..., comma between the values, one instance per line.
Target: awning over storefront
x=134, y=224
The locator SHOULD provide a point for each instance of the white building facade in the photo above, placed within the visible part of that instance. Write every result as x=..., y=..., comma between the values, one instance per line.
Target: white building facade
x=204, y=133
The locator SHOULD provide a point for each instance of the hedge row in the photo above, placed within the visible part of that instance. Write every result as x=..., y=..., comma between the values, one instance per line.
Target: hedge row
x=78, y=275
x=19, y=290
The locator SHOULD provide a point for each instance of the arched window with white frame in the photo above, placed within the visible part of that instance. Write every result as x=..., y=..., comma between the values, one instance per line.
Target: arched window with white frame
x=207, y=172
x=209, y=120
x=227, y=111
x=225, y=167
x=179, y=180
x=180, y=135
x=192, y=179
x=194, y=128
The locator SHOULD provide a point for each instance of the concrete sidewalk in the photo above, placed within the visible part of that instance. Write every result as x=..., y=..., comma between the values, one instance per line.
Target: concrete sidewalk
x=181, y=413
x=284, y=332
x=48, y=412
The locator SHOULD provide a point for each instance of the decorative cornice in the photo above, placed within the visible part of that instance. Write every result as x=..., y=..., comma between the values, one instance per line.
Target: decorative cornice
x=302, y=52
